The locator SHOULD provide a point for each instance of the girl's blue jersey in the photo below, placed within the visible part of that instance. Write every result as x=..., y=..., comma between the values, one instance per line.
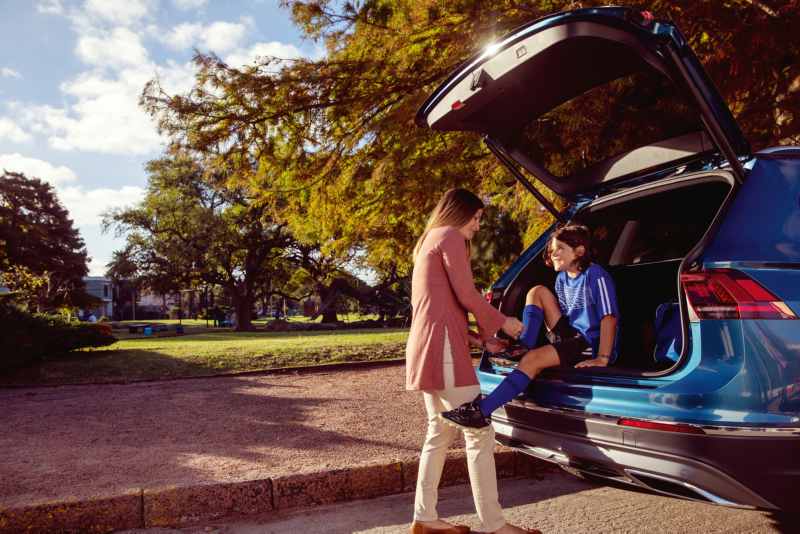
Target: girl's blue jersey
x=585, y=300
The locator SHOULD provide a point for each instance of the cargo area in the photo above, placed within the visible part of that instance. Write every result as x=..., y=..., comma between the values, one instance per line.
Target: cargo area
x=642, y=238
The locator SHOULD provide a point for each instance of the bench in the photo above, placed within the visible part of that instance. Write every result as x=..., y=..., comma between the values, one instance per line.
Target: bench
x=134, y=328
x=227, y=323
x=150, y=329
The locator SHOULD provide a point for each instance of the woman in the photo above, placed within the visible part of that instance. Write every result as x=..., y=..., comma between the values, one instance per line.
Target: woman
x=439, y=364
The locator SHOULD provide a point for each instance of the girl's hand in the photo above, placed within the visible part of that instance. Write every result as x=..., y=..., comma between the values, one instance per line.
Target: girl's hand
x=513, y=327
x=495, y=344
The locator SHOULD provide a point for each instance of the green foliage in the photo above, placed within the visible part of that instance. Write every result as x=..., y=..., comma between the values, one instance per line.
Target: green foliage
x=190, y=232
x=104, y=319
x=27, y=336
x=40, y=251
x=330, y=147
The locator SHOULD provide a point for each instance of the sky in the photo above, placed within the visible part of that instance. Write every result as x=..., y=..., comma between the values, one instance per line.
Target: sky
x=71, y=73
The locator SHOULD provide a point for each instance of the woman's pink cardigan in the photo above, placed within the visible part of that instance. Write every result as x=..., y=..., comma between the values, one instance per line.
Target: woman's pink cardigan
x=442, y=291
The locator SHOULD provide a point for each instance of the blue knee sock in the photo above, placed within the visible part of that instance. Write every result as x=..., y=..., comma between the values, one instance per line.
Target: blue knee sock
x=532, y=317
x=514, y=384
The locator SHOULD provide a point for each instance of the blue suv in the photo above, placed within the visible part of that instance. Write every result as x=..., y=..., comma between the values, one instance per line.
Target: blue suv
x=611, y=110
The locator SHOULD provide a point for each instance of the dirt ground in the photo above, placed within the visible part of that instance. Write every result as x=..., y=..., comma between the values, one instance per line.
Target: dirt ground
x=72, y=441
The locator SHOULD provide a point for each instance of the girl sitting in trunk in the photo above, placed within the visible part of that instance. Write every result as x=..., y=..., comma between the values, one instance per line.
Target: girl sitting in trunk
x=582, y=324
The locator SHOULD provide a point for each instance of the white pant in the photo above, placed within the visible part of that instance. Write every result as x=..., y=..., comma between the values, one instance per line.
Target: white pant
x=480, y=454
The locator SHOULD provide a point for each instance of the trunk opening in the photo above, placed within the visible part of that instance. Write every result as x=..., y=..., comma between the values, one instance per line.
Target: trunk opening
x=642, y=238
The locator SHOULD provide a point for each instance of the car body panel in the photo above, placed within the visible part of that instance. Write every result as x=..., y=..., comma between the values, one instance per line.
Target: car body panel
x=511, y=82
x=770, y=196
x=737, y=384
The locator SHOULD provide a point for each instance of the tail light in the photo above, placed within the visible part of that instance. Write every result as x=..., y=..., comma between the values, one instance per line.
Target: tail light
x=682, y=429
x=731, y=294
x=489, y=296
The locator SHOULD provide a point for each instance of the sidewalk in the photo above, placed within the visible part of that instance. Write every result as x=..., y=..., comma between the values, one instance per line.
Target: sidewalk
x=174, y=452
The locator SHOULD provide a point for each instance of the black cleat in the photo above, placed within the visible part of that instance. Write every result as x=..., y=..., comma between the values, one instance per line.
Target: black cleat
x=468, y=416
x=513, y=353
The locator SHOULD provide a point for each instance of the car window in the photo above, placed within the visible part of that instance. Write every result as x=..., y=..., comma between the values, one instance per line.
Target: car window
x=638, y=242
x=625, y=114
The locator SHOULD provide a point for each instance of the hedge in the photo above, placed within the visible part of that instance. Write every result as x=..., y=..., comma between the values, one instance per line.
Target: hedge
x=26, y=336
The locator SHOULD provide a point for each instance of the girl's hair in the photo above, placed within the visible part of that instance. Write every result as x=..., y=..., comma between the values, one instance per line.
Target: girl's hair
x=456, y=208
x=574, y=235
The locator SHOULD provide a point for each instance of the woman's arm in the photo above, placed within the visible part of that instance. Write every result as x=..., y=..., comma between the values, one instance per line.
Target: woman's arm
x=459, y=273
x=493, y=344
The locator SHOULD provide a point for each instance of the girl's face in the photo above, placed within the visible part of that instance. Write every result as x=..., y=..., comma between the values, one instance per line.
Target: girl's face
x=563, y=255
x=472, y=226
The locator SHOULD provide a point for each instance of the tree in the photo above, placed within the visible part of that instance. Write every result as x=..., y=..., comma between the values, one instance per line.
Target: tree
x=330, y=144
x=40, y=250
x=187, y=233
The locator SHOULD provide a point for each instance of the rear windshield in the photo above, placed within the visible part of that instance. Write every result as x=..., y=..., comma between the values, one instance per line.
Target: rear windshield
x=612, y=119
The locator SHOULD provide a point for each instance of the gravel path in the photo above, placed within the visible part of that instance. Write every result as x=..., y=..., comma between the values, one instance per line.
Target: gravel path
x=87, y=440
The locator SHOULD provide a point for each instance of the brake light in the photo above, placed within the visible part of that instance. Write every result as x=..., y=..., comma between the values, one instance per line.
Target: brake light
x=458, y=104
x=731, y=294
x=647, y=15
x=683, y=429
x=489, y=296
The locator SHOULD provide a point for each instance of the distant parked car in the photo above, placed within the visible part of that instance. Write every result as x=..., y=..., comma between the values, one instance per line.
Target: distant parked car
x=651, y=159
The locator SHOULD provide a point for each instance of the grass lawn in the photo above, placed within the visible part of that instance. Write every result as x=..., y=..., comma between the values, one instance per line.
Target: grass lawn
x=216, y=352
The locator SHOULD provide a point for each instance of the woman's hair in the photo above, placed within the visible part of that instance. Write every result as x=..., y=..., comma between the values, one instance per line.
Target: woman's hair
x=574, y=235
x=456, y=208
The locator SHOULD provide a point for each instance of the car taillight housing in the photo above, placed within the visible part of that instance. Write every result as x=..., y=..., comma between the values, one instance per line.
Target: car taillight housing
x=666, y=427
x=731, y=294
x=489, y=296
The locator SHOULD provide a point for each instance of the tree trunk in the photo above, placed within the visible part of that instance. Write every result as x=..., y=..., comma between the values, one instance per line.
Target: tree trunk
x=242, y=305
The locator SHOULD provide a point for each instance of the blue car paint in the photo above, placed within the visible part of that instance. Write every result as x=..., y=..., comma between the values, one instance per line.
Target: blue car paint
x=738, y=372
x=764, y=224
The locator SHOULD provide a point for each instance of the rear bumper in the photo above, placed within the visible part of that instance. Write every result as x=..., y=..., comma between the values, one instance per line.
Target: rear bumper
x=730, y=470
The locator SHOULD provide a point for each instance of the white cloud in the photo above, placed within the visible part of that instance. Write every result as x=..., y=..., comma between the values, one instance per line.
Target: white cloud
x=36, y=168
x=274, y=49
x=9, y=72
x=106, y=117
x=86, y=207
x=188, y=4
x=13, y=132
x=51, y=7
x=122, y=12
x=115, y=49
x=219, y=36
x=97, y=267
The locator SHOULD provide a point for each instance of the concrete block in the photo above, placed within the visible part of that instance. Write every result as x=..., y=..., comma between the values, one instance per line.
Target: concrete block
x=103, y=513
x=309, y=489
x=410, y=471
x=190, y=504
x=376, y=480
x=337, y=485
x=505, y=462
x=531, y=466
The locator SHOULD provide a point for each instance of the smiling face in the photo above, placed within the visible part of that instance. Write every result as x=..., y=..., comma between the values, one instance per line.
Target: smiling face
x=472, y=226
x=563, y=255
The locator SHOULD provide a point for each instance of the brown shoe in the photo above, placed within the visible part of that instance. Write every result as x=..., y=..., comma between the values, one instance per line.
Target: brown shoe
x=419, y=528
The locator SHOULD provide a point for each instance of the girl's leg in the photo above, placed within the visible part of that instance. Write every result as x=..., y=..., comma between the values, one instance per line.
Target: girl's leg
x=540, y=305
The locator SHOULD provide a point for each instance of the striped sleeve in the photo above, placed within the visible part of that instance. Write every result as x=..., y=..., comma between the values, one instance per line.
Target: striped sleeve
x=605, y=296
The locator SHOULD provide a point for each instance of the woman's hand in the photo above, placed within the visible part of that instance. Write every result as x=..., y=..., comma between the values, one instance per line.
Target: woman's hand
x=495, y=344
x=513, y=327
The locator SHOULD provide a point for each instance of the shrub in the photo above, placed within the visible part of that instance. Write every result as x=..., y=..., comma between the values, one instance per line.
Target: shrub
x=175, y=313
x=104, y=320
x=26, y=336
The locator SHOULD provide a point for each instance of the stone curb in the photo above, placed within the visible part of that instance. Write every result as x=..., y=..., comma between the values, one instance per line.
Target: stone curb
x=187, y=505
